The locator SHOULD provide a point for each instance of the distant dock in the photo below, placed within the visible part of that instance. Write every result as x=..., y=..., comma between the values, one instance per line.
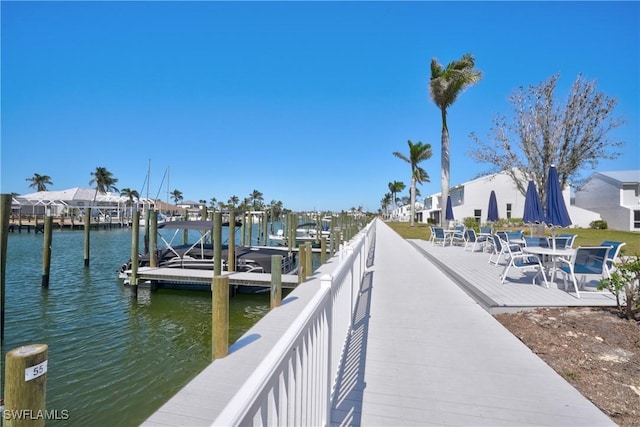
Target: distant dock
x=38, y=227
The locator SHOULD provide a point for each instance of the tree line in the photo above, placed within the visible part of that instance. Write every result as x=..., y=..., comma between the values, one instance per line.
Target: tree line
x=103, y=181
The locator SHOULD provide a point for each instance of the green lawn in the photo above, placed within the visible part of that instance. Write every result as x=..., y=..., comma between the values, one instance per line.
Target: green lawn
x=586, y=236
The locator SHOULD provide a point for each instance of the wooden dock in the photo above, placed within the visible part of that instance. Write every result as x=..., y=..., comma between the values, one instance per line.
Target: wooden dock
x=179, y=277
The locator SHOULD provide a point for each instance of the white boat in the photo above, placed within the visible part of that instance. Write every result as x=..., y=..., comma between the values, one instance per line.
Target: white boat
x=306, y=232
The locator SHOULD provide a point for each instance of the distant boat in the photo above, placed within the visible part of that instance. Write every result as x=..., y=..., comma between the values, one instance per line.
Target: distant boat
x=200, y=255
x=305, y=232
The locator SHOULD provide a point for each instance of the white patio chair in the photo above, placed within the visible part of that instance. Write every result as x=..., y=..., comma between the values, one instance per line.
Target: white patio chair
x=613, y=254
x=472, y=240
x=458, y=236
x=501, y=247
x=432, y=234
x=439, y=236
x=587, y=261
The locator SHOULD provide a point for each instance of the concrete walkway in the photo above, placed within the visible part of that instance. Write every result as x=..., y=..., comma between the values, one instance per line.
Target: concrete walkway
x=423, y=352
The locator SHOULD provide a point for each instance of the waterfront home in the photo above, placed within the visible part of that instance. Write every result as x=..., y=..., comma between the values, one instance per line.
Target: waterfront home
x=615, y=195
x=471, y=199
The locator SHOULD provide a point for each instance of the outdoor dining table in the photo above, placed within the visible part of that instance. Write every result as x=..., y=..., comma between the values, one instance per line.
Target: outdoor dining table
x=552, y=253
x=448, y=234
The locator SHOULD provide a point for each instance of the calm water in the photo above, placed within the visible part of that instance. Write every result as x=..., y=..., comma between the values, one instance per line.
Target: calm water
x=113, y=359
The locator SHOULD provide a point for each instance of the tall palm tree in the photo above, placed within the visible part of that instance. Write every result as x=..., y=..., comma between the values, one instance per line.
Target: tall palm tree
x=176, y=195
x=418, y=152
x=444, y=87
x=39, y=182
x=395, y=187
x=104, y=181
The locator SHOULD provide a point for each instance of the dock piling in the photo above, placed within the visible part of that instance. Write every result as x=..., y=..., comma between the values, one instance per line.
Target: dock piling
x=26, y=384
x=5, y=211
x=217, y=243
x=87, y=234
x=135, y=237
x=231, y=262
x=220, y=317
x=276, y=280
x=46, y=251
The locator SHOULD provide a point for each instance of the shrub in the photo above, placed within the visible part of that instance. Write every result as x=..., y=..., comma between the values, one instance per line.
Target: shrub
x=599, y=225
x=624, y=283
x=470, y=222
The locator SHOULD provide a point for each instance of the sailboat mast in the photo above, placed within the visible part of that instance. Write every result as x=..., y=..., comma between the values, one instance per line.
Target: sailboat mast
x=148, y=177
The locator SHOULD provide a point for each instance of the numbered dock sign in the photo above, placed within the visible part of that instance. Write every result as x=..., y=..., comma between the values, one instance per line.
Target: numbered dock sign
x=35, y=371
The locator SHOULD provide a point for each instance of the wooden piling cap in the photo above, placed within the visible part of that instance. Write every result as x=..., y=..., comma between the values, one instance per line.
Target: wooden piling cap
x=27, y=350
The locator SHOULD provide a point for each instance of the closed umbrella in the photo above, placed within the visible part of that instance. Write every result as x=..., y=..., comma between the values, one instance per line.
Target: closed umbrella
x=556, y=214
x=449, y=211
x=533, y=213
x=492, y=212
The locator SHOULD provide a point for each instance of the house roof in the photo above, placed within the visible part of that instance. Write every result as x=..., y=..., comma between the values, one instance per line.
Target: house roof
x=625, y=177
x=69, y=196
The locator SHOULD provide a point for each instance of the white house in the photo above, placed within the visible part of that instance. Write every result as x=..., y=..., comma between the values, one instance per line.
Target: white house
x=73, y=201
x=615, y=196
x=471, y=199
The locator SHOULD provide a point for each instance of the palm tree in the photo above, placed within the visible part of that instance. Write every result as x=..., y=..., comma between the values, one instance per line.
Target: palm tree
x=130, y=194
x=256, y=200
x=233, y=201
x=395, y=187
x=417, y=153
x=39, y=182
x=176, y=195
x=104, y=181
x=386, y=202
x=444, y=87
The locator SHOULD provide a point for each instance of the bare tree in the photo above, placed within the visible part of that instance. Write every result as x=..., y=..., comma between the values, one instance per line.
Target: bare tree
x=542, y=133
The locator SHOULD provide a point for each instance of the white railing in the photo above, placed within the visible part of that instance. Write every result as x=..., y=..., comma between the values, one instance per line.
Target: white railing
x=293, y=384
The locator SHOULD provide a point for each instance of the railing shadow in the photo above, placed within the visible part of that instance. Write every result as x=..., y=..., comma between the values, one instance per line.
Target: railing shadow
x=346, y=408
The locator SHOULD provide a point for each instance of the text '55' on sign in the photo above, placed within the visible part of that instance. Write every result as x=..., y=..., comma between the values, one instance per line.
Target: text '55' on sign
x=33, y=372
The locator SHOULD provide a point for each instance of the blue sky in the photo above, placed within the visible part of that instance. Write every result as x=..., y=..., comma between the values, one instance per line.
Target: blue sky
x=302, y=101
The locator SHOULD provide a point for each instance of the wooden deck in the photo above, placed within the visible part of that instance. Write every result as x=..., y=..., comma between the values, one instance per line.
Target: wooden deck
x=481, y=280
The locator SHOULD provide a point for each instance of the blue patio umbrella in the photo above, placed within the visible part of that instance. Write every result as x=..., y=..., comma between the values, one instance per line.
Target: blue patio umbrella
x=492, y=212
x=449, y=211
x=533, y=213
x=556, y=214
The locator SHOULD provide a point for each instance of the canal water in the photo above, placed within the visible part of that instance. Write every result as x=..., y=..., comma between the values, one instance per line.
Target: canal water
x=113, y=359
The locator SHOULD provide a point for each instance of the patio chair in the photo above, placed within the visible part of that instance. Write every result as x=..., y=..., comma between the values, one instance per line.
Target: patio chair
x=572, y=238
x=587, y=261
x=613, y=253
x=486, y=230
x=458, y=235
x=431, y=234
x=472, y=240
x=438, y=236
x=540, y=242
x=511, y=235
x=519, y=259
x=501, y=247
x=561, y=242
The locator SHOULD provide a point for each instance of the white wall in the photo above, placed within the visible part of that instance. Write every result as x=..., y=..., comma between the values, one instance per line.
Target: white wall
x=606, y=197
